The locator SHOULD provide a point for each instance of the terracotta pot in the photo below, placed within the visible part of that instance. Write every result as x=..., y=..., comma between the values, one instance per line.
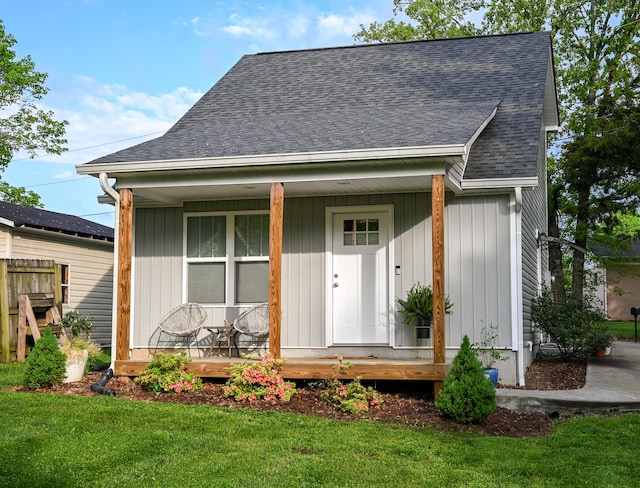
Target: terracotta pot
x=599, y=353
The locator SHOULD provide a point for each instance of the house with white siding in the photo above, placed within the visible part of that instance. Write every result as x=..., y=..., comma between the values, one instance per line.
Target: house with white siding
x=327, y=182
x=83, y=249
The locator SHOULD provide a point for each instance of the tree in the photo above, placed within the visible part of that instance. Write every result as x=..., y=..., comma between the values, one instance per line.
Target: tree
x=23, y=126
x=597, y=60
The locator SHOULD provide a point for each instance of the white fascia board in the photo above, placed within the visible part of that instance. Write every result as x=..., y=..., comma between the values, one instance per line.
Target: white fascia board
x=454, y=150
x=491, y=183
x=7, y=222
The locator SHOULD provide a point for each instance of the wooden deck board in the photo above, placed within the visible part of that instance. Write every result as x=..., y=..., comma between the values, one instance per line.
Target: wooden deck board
x=306, y=368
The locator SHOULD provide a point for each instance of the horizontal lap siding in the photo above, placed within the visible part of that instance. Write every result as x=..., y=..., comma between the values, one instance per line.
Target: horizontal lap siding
x=90, y=274
x=534, y=217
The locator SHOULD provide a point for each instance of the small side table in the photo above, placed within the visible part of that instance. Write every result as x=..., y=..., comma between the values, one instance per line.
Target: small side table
x=221, y=336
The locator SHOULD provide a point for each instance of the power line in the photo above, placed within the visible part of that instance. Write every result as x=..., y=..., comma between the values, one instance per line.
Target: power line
x=96, y=145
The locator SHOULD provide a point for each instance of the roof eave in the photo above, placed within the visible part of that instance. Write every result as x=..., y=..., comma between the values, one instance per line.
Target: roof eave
x=115, y=168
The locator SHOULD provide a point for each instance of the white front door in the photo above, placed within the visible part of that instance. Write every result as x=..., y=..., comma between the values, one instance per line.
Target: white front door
x=359, y=277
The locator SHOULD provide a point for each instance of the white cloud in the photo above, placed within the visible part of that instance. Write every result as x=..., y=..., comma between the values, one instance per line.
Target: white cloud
x=251, y=27
x=334, y=25
x=104, y=118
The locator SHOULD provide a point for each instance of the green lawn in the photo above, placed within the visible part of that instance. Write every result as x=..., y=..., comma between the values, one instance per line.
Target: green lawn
x=623, y=330
x=68, y=441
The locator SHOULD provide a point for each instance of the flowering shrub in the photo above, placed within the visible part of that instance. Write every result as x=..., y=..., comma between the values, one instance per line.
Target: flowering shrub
x=165, y=373
x=352, y=397
x=254, y=381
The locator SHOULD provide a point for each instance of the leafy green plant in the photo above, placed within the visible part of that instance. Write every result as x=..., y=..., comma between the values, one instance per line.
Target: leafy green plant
x=576, y=327
x=77, y=323
x=418, y=304
x=46, y=364
x=166, y=373
x=352, y=397
x=467, y=396
x=488, y=352
x=259, y=380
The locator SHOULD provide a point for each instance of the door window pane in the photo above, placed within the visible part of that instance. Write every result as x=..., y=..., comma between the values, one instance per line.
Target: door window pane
x=366, y=232
x=205, y=282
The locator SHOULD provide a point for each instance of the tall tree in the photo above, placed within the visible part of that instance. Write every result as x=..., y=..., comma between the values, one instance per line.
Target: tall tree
x=23, y=126
x=597, y=60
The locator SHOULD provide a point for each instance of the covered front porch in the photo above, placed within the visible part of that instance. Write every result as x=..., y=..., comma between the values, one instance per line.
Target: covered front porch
x=370, y=368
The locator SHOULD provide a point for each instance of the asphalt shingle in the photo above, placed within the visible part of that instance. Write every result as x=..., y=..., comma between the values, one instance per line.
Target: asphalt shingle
x=422, y=93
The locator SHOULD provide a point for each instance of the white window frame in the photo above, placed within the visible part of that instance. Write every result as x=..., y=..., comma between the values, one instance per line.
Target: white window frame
x=230, y=259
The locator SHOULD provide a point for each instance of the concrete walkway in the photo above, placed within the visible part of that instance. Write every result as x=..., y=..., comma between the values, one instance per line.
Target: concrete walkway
x=612, y=386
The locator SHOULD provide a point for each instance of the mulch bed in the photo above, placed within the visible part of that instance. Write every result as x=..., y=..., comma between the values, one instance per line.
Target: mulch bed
x=404, y=403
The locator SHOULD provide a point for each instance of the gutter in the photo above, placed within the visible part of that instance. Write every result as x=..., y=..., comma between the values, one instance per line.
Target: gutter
x=108, y=189
x=517, y=332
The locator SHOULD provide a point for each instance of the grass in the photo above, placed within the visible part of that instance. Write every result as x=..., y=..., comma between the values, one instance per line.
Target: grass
x=624, y=330
x=61, y=440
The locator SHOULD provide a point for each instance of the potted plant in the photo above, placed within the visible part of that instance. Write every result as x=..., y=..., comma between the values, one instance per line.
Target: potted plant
x=488, y=352
x=599, y=340
x=77, y=346
x=418, y=307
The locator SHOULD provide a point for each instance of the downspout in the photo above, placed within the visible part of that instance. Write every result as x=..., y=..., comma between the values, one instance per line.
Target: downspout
x=100, y=385
x=517, y=332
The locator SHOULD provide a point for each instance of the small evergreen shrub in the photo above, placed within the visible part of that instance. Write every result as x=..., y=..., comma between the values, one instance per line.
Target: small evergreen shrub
x=46, y=364
x=165, y=373
x=467, y=396
x=260, y=380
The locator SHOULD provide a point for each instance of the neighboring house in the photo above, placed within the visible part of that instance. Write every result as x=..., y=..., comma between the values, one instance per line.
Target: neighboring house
x=620, y=276
x=328, y=182
x=84, y=249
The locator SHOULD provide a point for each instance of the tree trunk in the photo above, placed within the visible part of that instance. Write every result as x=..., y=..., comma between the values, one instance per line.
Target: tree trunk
x=555, y=250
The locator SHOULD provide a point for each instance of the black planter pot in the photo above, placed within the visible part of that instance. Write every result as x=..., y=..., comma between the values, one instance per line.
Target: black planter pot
x=423, y=330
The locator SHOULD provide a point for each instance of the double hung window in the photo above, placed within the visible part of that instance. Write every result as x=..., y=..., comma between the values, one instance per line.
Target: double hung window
x=227, y=258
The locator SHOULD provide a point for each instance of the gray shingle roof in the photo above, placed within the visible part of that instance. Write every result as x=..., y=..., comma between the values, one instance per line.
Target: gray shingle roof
x=58, y=222
x=422, y=93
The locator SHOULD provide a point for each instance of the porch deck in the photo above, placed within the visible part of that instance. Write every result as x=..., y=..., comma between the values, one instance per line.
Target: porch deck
x=312, y=368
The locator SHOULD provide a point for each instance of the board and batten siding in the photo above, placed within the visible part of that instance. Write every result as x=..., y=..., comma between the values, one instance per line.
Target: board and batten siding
x=90, y=272
x=476, y=270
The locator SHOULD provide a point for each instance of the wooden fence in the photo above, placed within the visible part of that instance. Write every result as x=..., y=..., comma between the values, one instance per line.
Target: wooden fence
x=19, y=277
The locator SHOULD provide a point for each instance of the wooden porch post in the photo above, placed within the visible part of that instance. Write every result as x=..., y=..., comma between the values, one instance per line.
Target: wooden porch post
x=437, y=248
x=125, y=232
x=275, y=266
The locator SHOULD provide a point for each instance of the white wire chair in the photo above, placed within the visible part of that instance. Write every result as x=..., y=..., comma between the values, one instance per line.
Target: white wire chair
x=251, y=329
x=181, y=325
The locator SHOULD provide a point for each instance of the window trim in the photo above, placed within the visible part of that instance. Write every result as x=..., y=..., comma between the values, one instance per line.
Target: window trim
x=230, y=259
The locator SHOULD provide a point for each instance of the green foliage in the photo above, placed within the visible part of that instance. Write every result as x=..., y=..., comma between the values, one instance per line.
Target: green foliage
x=77, y=323
x=165, y=373
x=577, y=327
x=419, y=304
x=488, y=352
x=351, y=397
x=27, y=127
x=19, y=195
x=46, y=364
x=258, y=380
x=467, y=396
x=432, y=19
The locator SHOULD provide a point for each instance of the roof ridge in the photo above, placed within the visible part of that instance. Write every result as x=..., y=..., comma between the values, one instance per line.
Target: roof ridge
x=415, y=41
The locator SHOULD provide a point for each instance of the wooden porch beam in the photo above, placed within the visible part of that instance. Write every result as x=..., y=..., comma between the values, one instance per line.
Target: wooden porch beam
x=276, y=211
x=437, y=247
x=125, y=233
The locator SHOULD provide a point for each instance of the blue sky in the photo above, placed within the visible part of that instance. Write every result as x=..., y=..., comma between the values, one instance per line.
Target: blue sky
x=123, y=71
